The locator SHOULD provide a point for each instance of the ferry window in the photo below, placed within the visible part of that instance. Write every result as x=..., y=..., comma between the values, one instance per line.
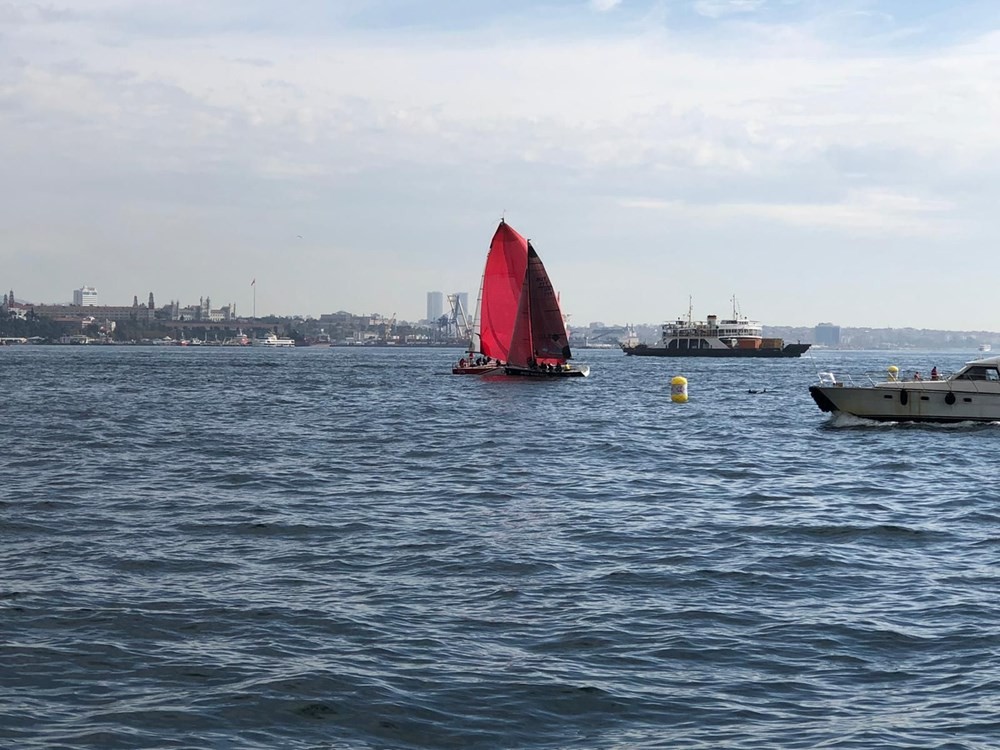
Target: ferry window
x=992, y=375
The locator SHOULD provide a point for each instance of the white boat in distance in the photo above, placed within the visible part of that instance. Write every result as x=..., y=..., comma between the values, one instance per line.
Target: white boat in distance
x=273, y=340
x=970, y=395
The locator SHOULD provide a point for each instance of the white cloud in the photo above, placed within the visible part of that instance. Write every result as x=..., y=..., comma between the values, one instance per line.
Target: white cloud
x=720, y=8
x=870, y=211
x=603, y=6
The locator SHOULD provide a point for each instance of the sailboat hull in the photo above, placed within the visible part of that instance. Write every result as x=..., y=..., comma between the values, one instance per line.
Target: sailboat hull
x=477, y=370
x=566, y=372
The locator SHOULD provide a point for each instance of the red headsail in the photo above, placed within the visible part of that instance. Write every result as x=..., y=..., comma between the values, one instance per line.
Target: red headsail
x=502, y=282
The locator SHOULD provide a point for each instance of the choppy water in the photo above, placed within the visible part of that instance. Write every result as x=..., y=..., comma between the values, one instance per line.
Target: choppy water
x=340, y=548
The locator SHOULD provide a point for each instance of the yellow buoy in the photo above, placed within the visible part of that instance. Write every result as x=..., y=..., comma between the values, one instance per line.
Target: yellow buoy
x=893, y=372
x=679, y=390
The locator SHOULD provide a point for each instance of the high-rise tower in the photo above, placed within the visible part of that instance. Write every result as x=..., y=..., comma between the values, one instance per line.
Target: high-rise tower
x=86, y=295
x=435, y=306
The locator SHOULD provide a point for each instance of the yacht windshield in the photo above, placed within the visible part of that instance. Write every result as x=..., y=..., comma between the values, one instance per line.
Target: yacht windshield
x=980, y=373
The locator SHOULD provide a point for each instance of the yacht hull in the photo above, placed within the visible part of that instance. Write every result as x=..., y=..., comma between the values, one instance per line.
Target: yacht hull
x=909, y=402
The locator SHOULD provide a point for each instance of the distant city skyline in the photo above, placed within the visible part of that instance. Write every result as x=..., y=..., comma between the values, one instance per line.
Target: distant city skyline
x=826, y=333
x=820, y=161
x=89, y=296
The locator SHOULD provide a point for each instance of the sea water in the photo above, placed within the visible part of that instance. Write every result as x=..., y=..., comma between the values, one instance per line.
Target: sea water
x=352, y=548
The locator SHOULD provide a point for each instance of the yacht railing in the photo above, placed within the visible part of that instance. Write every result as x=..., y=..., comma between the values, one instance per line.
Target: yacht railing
x=846, y=380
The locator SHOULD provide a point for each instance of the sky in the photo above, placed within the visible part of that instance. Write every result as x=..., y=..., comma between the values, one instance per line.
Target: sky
x=818, y=161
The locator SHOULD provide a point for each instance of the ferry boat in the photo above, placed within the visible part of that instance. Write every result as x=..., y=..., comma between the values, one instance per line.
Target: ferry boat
x=737, y=336
x=273, y=340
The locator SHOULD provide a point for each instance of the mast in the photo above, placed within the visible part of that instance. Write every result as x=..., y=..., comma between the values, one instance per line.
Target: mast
x=475, y=340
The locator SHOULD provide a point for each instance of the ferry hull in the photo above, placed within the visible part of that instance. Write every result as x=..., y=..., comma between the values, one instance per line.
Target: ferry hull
x=789, y=350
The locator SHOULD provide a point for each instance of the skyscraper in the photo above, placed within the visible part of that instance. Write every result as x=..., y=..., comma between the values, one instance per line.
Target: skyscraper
x=435, y=306
x=86, y=295
x=827, y=334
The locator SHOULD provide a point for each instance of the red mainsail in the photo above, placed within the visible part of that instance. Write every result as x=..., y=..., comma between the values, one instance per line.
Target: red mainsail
x=539, y=331
x=502, y=282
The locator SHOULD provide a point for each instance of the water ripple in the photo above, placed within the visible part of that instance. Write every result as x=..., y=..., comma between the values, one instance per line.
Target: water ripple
x=353, y=549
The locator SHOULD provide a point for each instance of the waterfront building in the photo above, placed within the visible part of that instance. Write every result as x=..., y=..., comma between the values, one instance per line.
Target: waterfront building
x=102, y=313
x=12, y=308
x=202, y=312
x=85, y=296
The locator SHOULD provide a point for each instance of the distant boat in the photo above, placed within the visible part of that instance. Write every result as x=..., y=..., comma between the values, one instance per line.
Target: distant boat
x=985, y=347
x=734, y=337
x=539, y=346
x=496, y=308
x=273, y=340
x=241, y=339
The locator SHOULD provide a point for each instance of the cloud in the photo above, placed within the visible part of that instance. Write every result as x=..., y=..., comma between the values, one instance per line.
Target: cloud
x=603, y=6
x=870, y=211
x=721, y=8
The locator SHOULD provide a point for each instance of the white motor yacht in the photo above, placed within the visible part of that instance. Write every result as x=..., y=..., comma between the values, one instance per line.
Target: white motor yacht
x=970, y=395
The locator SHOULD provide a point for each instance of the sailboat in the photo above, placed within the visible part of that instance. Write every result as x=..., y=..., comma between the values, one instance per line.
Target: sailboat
x=496, y=310
x=539, y=346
